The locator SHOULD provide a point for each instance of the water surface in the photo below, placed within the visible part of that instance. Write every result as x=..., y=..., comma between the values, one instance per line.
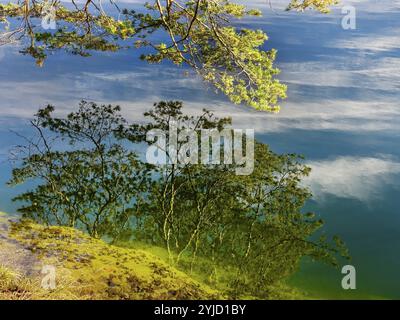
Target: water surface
x=342, y=114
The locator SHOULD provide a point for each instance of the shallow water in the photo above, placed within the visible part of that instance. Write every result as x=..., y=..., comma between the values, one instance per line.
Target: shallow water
x=342, y=114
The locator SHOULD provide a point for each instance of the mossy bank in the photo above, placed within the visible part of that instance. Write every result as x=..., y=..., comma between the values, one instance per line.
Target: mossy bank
x=87, y=268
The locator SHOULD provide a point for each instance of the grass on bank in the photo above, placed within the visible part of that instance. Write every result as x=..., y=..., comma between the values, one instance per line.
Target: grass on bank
x=88, y=268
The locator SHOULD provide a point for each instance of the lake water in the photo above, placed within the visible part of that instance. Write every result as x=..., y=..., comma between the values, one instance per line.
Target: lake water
x=342, y=114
